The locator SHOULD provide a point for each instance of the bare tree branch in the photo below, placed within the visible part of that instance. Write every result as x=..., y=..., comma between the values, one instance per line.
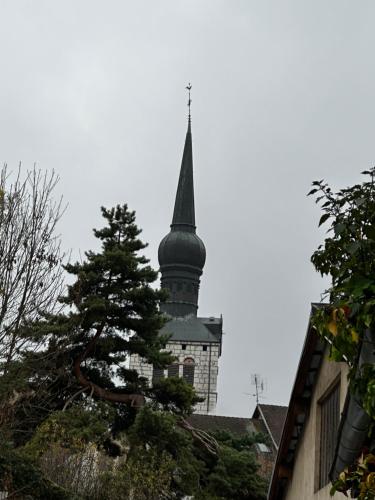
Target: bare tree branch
x=31, y=275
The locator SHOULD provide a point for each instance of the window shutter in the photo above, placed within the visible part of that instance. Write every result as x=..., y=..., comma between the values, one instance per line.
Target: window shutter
x=329, y=423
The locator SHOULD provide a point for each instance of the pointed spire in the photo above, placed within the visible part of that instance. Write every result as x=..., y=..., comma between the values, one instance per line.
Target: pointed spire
x=182, y=254
x=184, y=211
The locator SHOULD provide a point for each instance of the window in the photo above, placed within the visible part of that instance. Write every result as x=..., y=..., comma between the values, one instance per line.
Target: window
x=157, y=374
x=329, y=422
x=188, y=370
x=183, y=347
x=205, y=348
x=173, y=370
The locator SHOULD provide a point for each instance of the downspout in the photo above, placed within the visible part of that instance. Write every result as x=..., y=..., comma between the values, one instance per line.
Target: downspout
x=355, y=422
x=209, y=379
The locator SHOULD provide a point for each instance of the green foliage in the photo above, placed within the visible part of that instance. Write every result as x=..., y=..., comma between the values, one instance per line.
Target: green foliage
x=347, y=254
x=348, y=257
x=234, y=476
x=73, y=429
x=113, y=292
x=242, y=442
x=159, y=431
x=233, y=472
x=359, y=479
x=174, y=394
x=112, y=307
x=145, y=476
x=112, y=311
x=20, y=476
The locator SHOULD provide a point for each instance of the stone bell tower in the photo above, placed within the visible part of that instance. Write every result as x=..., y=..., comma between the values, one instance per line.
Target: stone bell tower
x=195, y=341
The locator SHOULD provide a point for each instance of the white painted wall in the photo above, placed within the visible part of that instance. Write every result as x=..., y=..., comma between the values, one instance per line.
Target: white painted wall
x=304, y=482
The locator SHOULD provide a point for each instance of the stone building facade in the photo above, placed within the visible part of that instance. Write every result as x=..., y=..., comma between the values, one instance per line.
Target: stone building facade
x=194, y=341
x=202, y=358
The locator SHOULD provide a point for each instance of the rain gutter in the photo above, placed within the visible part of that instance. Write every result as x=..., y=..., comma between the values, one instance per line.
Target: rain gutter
x=355, y=422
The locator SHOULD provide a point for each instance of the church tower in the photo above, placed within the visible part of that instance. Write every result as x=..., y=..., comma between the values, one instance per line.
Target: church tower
x=194, y=341
x=181, y=252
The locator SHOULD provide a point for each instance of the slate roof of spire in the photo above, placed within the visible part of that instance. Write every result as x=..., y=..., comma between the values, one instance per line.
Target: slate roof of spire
x=182, y=254
x=184, y=211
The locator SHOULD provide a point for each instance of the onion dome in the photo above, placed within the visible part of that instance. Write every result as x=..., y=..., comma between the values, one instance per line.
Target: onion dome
x=181, y=248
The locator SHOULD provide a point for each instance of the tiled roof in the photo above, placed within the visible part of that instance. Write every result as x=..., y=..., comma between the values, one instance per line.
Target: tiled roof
x=236, y=425
x=188, y=329
x=274, y=417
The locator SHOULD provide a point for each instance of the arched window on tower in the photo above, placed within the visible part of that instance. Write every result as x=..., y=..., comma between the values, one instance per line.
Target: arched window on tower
x=188, y=370
x=157, y=374
x=173, y=370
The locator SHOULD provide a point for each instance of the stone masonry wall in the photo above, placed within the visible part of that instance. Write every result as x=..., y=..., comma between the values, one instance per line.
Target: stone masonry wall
x=205, y=378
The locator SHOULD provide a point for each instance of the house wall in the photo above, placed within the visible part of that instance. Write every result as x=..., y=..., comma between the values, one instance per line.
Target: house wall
x=205, y=379
x=304, y=481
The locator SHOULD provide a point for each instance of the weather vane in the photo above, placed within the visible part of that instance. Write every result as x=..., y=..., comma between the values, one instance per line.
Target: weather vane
x=188, y=88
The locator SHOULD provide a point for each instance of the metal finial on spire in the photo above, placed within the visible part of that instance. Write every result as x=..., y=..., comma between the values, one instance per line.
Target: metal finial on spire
x=188, y=88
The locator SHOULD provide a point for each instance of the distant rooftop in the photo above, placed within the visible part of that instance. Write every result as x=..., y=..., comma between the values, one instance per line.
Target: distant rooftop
x=274, y=418
x=192, y=329
x=236, y=425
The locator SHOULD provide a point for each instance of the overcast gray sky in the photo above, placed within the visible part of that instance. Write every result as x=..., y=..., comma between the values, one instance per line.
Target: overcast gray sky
x=283, y=93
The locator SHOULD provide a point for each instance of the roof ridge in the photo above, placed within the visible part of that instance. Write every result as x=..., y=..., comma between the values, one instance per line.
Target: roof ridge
x=274, y=406
x=221, y=416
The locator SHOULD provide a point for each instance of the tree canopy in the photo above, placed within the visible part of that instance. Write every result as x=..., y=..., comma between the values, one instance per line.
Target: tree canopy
x=348, y=257
x=70, y=399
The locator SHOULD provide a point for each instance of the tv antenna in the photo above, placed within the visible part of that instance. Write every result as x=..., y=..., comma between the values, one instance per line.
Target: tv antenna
x=260, y=386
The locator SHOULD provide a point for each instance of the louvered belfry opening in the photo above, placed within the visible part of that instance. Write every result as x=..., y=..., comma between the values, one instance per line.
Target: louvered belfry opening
x=329, y=423
x=188, y=370
x=173, y=370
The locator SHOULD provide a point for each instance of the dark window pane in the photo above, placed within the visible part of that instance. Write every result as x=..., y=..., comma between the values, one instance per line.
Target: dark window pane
x=157, y=374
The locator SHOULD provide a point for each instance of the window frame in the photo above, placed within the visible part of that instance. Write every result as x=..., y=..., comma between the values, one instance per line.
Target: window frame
x=326, y=421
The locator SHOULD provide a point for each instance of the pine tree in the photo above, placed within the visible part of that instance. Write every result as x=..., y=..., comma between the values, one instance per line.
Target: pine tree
x=116, y=311
x=110, y=312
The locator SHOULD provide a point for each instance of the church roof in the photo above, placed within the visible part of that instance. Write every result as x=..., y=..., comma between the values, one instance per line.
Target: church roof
x=274, y=418
x=188, y=329
x=235, y=425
